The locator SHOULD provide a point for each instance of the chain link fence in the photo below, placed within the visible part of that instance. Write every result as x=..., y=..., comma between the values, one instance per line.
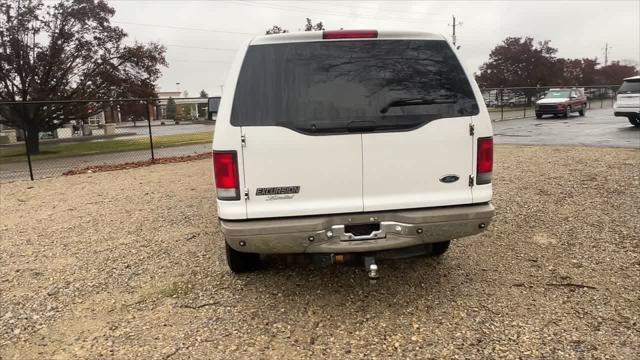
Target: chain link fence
x=519, y=102
x=91, y=133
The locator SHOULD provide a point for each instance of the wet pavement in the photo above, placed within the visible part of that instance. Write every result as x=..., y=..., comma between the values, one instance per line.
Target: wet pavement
x=160, y=130
x=56, y=167
x=597, y=128
x=19, y=170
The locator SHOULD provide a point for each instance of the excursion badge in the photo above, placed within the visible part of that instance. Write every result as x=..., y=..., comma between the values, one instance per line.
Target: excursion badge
x=280, y=190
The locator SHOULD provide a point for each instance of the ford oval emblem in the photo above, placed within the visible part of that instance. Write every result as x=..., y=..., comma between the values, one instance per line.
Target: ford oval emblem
x=449, y=179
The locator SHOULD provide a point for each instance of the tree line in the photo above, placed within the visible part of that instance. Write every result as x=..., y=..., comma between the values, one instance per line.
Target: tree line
x=518, y=61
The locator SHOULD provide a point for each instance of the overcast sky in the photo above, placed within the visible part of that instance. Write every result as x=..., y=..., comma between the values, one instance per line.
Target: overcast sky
x=201, y=36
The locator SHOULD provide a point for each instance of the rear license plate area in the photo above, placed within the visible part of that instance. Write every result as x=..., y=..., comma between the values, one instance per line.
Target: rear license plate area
x=362, y=230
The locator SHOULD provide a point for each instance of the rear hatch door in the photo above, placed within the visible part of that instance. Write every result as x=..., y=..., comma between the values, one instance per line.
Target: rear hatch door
x=298, y=160
x=629, y=94
x=426, y=167
x=353, y=125
x=288, y=173
x=420, y=152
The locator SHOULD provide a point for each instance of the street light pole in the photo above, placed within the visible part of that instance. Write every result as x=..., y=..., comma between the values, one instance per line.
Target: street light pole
x=453, y=34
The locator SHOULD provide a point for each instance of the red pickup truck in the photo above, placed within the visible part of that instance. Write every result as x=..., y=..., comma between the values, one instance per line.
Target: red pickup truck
x=562, y=102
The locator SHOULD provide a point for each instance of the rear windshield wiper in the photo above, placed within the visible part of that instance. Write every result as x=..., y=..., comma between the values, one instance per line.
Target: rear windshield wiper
x=418, y=101
x=353, y=126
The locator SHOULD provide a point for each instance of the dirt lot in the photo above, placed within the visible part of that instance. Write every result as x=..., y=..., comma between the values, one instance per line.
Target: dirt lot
x=130, y=264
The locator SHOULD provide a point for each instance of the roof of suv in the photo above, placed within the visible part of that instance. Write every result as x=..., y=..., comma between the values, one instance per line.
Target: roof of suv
x=633, y=78
x=308, y=36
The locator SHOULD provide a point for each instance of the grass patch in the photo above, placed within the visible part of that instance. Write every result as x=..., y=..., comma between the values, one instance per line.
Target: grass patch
x=105, y=146
x=176, y=289
x=173, y=289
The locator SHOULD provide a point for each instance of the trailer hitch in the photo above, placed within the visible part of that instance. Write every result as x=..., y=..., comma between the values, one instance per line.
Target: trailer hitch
x=372, y=268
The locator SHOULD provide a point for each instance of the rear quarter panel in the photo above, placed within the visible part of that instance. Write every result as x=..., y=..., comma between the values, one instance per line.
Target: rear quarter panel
x=482, y=128
x=227, y=137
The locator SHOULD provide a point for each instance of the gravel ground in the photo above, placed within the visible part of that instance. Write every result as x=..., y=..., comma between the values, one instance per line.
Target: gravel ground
x=130, y=264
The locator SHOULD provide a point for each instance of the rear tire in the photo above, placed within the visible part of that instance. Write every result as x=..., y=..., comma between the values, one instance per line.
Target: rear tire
x=538, y=116
x=241, y=262
x=634, y=120
x=439, y=248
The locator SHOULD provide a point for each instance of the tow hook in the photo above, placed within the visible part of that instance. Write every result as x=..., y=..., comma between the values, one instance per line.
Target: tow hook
x=372, y=268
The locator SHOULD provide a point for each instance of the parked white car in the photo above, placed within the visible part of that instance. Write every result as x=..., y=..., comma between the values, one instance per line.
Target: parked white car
x=350, y=145
x=628, y=100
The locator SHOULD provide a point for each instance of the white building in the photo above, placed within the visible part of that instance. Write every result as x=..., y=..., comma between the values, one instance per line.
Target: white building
x=191, y=103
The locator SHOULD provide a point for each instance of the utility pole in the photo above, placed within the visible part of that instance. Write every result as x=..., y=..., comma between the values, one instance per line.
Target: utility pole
x=453, y=34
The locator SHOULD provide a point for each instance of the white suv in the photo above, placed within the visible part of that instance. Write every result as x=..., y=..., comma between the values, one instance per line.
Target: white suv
x=628, y=100
x=350, y=145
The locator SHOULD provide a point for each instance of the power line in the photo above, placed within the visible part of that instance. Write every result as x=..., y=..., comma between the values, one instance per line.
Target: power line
x=268, y=6
x=199, y=61
x=184, y=28
x=308, y=10
x=373, y=8
x=341, y=14
x=199, y=47
x=188, y=46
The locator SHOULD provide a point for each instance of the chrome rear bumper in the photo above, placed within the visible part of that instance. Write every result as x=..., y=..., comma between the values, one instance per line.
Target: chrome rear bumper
x=326, y=234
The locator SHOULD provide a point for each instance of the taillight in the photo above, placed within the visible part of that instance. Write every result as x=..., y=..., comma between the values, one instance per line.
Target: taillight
x=349, y=34
x=225, y=170
x=485, y=161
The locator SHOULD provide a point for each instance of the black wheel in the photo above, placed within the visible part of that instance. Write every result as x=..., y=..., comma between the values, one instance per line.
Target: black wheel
x=439, y=248
x=583, y=110
x=538, y=116
x=634, y=120
x=567, y=112
x=240, y=262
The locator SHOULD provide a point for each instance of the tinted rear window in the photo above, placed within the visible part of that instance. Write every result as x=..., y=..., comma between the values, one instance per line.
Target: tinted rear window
x=326, y=87
x=630, y=87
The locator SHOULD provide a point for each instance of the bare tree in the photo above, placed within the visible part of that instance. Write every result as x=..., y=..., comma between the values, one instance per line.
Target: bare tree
x=308, y=26
x=69, y=51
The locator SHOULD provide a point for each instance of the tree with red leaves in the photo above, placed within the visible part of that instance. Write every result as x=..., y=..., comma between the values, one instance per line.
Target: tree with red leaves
x=615, y=72
x=518, y=62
